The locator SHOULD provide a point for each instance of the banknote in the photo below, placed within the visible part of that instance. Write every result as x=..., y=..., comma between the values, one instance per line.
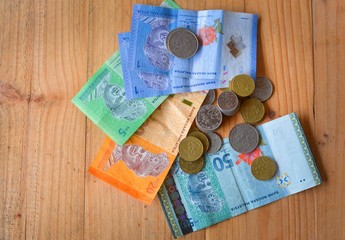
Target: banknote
x=103, y=100
x=139, y=166
x=228, y=46
x=159, y=84
x=226, y=188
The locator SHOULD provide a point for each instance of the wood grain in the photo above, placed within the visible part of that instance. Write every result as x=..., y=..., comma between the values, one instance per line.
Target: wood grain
x=328, y=134
x=48, y=50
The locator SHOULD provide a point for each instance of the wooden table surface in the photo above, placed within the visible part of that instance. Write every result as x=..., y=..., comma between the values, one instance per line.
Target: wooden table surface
x=48, y=50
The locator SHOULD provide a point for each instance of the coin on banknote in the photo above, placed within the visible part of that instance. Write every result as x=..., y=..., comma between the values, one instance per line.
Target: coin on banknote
x=182, y=43
x=209, y=99
x=191, y=148
x=244, y=138
x=263, y=89
x=191, y=167
x=215, y=142
x=243, y=85
x=263, y=168
x=202, y=137
x=228, y=103
x=252, y=111
x=209, y=118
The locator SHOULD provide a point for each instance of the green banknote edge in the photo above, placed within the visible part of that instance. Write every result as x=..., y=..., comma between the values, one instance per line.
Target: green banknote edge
x=305, y=147
x=171, y=3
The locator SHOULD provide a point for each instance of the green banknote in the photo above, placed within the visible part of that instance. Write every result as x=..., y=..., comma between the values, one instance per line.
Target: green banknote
x=102, y=99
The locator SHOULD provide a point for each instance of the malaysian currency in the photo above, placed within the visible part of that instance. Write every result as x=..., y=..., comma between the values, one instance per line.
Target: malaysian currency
x=141, y=164
x=263, y=89
x=103, y=100
x=228, y=103
x=232, y=183
x=175, y=50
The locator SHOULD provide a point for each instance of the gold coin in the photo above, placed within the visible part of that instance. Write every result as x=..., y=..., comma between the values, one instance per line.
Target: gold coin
x=252, y=111
x=191, y=167
x=191, y=148
x=263, y=168
x=202, y=137
x=193, y=129
x=243, y=85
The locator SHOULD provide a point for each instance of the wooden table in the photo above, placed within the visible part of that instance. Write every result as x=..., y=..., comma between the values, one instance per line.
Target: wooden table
x=48, y=50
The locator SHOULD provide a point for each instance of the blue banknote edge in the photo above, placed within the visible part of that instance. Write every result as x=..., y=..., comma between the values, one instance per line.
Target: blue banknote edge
x=254, y=46
x=171, y=216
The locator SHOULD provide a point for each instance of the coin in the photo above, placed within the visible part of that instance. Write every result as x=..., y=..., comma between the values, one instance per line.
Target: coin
x=191, y=167
x=263, y=168
x=215, y=142
x=263, y=89
x=243, y=85
x=209, y=99
x=209, y=118
x=244, y=138
x=193, y=129
x=252, y=110
x=228, y=103
x=191, y=148
x=182, y=43
x=202, y=137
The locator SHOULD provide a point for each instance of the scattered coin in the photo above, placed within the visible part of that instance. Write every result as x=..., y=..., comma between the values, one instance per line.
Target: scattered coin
x=191, y=167
x=209, y=118
x=263, y=89
x=209, y=99
x=215, y=142
x=263, y=168
x=191, y=148
x=243, y=85
x=193, y=129
x=228, y=103
x=252, y=110
x=244, y=138
x=202, y=137
x=182, y=43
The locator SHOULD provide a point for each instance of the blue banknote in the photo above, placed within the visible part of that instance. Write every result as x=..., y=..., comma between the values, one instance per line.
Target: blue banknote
x=225, y=187
x=228, y=44
x=159, y=84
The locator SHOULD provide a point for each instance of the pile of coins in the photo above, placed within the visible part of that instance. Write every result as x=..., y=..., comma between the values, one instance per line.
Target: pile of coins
x=244, y=96
x=194, y=146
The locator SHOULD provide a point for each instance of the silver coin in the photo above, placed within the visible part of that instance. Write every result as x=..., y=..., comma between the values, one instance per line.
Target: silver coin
x=215, y=142
x=209, y=99
x=244, y=138
x=263, y=89
x=228, y=103
x=209, y=118
x=182, y=43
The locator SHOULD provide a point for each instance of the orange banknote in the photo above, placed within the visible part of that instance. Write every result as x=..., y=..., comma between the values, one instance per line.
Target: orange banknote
x=140, y=166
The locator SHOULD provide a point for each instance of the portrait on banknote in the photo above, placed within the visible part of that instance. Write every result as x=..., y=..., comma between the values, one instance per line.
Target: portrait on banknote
x=142, y=162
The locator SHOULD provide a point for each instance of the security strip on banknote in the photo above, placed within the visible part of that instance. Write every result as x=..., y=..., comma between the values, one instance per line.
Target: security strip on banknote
x=226, y=187
x=140, y=166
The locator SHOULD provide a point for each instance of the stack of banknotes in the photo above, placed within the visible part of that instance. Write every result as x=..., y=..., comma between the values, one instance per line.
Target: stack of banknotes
x=145, y=100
